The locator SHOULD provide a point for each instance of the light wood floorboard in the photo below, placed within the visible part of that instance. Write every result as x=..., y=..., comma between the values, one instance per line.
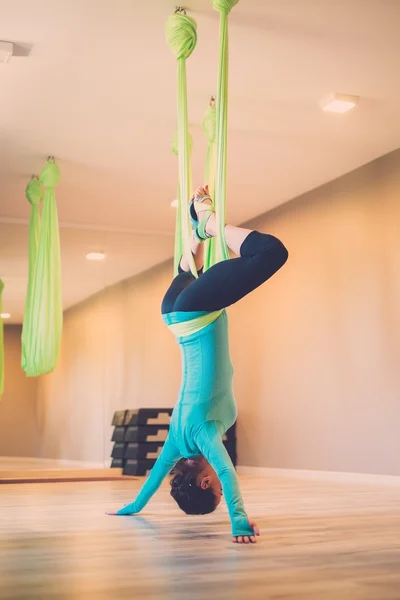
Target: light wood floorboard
x=320, y=541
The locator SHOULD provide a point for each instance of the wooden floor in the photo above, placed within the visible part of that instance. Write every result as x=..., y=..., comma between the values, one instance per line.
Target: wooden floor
x=320, y=541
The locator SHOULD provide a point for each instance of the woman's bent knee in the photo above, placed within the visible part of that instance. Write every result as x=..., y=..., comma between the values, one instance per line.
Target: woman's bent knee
x=282, y=253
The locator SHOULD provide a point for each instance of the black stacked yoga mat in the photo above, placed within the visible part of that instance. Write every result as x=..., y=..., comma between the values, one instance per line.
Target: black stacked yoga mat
x=139, y=436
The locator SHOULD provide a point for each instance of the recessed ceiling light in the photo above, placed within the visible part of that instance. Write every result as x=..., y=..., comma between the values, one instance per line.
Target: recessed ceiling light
x=95, y=256
x=174, y=203
x=339, y=103
x=5, y=315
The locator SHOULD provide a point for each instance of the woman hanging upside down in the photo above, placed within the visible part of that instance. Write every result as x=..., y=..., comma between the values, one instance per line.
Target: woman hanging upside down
x=194, y=309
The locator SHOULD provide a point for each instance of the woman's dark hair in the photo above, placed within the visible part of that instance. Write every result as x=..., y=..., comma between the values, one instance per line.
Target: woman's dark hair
x=190, y=497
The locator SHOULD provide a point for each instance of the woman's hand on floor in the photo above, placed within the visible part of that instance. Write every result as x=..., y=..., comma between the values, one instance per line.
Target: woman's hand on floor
x=118, y=514
x=128, y=509
x=248, y=539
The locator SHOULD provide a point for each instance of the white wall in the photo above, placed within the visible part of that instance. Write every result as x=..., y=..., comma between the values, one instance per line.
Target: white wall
x=318, y=377
x=18, y=427
x=116, y=353
x=316, y=350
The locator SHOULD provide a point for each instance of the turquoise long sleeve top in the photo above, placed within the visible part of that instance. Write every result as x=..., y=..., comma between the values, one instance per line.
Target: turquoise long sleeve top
x=204, y=411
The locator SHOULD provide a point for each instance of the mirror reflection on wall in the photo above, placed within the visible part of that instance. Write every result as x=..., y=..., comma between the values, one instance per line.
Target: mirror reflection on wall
x=47, y=422
x=113, y=277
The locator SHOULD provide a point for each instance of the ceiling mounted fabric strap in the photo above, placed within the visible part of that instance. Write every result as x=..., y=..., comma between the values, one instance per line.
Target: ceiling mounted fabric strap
x=180, y=226
x=181, y=35
x=224, y=7
x=209, y=128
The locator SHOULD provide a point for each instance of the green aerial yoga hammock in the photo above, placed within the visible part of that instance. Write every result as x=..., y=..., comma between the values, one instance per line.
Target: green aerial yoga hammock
x=179, y=247
x=224, y=7
x=209, y=128
x=1, y=341
x=42, y=328
x=34, y=194
x=181, y=37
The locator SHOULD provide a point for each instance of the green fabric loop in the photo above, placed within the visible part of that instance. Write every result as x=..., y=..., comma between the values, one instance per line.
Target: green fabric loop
x=174, y=144
x=1, y=341
x=181, y=34
x=34, y=192
x=50, y=175
x=224, y=6
x=210, y=125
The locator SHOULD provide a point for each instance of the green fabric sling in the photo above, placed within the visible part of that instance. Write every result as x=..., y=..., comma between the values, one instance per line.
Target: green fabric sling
x=43, y=318
x=179, y=247
x=34, y=194
x=223, y=7
x=186, y=328
x=1, y=341
x=181, y=34
x=209, y=128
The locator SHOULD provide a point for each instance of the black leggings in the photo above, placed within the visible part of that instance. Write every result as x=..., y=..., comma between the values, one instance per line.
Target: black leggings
x=261, y=255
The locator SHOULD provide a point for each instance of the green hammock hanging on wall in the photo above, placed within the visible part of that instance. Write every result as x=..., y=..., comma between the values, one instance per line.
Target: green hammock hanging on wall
x=43, y=317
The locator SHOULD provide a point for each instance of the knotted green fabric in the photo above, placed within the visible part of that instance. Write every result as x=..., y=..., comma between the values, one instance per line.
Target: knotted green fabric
x=181, y=34
x=209, y=128
x=224, y=7
x=1, y=341
x=34, y=193
x=43, y=317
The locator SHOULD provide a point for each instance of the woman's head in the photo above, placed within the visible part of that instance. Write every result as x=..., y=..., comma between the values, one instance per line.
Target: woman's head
x=195, y=486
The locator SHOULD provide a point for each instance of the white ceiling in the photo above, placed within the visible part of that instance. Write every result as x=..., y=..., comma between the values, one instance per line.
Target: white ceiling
x=98, y=91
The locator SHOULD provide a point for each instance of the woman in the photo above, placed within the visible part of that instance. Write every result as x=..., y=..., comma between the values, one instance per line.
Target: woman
x=194, y=309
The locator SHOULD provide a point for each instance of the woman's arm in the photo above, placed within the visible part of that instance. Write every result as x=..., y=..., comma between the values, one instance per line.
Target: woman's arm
x=210, y=444
x=168, y=458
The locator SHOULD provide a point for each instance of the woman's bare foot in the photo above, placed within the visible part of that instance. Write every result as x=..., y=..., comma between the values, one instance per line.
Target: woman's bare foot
x=201, y=192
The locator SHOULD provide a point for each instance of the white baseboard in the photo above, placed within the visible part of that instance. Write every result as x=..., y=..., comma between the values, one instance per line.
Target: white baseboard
x=320, y=475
